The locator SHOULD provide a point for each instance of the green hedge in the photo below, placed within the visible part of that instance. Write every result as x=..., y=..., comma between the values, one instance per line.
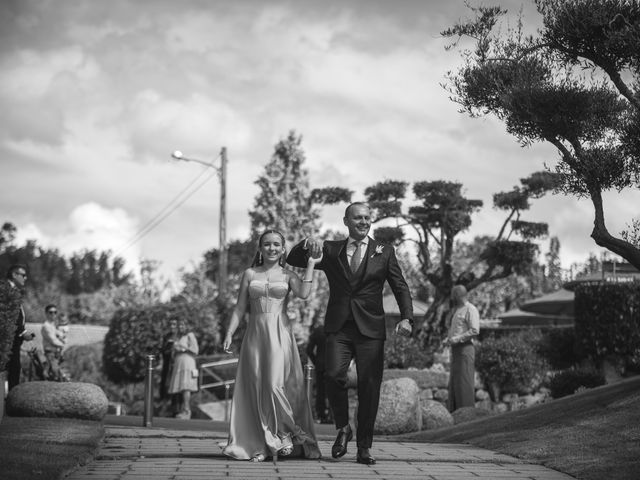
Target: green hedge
x=512, y=361
x=135, y=333
x=567, y=382
x=608, y=320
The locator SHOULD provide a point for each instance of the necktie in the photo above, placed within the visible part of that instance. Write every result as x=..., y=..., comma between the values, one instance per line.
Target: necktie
x=355, y=258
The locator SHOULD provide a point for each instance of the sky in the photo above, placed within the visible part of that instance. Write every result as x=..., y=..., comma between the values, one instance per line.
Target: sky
x=95, y=96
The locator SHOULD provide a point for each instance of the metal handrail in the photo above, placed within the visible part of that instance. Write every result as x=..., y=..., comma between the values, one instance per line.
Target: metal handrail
x=206, y=367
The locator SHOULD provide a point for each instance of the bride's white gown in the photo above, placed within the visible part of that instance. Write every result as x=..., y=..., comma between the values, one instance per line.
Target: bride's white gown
x=270, y=409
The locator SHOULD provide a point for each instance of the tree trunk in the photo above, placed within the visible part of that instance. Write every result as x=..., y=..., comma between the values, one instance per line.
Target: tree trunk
x=603, y=238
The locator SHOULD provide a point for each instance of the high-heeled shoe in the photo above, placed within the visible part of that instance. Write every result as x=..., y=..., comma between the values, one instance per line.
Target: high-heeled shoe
x=258, y=458
x=286, y=451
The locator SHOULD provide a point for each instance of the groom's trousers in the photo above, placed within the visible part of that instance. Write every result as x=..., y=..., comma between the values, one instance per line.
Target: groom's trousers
x=368, y=352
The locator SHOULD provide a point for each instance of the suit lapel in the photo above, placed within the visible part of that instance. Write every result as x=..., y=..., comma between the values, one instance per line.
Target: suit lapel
x=342, y=259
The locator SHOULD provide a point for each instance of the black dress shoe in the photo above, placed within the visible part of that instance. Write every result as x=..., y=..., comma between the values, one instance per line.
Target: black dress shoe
x=365, y=457
x=340, y=446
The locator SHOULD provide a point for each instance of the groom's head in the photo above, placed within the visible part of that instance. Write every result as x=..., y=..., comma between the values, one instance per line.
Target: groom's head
x=357, y=218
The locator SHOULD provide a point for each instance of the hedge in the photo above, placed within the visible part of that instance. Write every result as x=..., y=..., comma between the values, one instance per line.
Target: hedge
x=607, y=319
x=135, y=333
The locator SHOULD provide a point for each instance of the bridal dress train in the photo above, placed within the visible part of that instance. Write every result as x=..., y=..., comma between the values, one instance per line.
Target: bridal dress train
x=270, y=410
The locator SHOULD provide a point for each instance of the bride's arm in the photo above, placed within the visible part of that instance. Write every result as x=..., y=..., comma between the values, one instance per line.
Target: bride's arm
x=238, y=311
x=302, y=288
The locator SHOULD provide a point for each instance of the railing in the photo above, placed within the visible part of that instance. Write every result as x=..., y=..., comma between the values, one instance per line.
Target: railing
x=207, y=369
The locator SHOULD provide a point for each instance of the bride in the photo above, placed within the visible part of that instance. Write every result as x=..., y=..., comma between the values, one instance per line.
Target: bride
x=270, y=412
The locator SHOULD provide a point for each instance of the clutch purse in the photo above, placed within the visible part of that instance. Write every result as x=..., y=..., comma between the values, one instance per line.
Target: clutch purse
x=195, y=373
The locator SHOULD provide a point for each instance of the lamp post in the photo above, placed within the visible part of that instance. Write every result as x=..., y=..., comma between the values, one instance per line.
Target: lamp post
x=222, y=175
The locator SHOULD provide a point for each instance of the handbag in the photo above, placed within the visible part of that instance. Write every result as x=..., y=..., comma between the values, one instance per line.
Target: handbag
x=195, y=373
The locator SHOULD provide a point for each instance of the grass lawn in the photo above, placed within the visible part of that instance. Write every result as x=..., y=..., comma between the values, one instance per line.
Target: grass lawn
x=593, y=435
x=45, y=448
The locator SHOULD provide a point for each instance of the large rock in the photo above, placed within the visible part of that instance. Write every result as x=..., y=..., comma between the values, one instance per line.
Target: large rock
x=467, y=414
x=399, y=410
x=435, y=415
x=434, y=377
x=57, y=399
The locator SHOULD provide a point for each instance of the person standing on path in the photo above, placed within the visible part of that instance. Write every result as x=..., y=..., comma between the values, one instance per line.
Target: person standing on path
x=357, y=269
x=52, y=345
x=11, y=292
x=316, y=351
x=168, y=340
x=184, y=374
x=464, y=326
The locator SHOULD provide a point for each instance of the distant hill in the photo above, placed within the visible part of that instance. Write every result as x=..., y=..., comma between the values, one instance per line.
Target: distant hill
x=593, y=435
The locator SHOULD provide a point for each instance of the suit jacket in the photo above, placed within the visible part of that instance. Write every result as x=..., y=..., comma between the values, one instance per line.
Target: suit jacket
x=12, y=321
x=358, y=294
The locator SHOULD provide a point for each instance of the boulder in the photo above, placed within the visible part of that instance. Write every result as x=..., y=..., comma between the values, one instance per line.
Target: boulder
x=84, y=401
x=441, y=394
x=467, y=414
x=426, y=394
x=434, y=377
x=399, y=410
x=435, y=415
x=482, y=395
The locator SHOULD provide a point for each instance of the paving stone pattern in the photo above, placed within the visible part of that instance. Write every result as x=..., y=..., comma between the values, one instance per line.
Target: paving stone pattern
x=161, y=454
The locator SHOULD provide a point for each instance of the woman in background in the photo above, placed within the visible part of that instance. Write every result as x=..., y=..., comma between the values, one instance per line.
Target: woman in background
x=184, y=374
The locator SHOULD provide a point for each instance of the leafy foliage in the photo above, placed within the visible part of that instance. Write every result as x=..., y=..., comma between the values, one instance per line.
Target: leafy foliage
x=569, y=381
x=511, y=361
x=558, y=347
x=403, y=352
x=608, y=320
x=538, y=87
x=135, y=333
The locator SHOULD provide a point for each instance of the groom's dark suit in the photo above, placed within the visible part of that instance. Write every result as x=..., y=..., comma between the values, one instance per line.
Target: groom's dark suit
x=355, y=325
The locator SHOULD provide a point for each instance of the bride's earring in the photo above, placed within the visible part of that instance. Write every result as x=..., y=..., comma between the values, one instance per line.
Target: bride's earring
x=260, y=261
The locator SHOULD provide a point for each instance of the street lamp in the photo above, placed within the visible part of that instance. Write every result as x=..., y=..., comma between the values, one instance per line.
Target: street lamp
x=222, y=175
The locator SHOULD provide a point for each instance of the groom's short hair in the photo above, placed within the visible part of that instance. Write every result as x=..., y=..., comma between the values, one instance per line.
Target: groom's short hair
x=346, y=210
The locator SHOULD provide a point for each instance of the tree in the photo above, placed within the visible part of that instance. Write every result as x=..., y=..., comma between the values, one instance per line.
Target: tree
x=284, y=201
x=287, y=203
x=572, y=85
x=443, y=213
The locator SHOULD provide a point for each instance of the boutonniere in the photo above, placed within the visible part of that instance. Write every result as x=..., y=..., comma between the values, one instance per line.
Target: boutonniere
x=378, y=250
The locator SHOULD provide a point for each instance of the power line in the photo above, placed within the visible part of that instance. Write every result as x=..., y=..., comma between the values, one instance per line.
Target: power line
x=168, y=209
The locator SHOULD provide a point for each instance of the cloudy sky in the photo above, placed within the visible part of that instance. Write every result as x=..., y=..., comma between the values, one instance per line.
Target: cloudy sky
x=96, y=95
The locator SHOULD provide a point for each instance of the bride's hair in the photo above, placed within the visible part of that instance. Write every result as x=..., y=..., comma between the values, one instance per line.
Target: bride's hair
x=258, y=260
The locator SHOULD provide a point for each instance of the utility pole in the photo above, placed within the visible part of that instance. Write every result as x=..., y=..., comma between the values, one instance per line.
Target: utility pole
x=222, y=267
x=222, y=226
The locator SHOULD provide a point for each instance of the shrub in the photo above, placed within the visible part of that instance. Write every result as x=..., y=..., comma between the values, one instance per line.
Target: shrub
x=404, y=352
x=557, y=346
x=511, y=361
x=568, y=381
x=607, y=320
x=135, y=333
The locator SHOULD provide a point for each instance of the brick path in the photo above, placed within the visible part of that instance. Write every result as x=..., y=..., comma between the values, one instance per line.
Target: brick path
x=129, y=453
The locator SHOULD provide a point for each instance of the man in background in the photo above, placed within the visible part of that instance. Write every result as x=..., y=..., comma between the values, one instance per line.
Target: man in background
x=464, y=326
x=316, y=349
x=52, y=344
x=11, y=293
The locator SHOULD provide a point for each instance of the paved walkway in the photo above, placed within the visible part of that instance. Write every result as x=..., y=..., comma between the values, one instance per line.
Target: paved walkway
x=140, y=453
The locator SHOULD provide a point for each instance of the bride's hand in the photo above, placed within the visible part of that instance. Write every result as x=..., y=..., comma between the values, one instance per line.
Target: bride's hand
x=313, y=260
x=226, y=345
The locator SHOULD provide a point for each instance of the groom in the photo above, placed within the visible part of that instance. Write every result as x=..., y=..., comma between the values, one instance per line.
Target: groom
x=356, y=269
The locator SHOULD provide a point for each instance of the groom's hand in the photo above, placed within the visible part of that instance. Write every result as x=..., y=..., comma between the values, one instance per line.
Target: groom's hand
x=403, y=328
